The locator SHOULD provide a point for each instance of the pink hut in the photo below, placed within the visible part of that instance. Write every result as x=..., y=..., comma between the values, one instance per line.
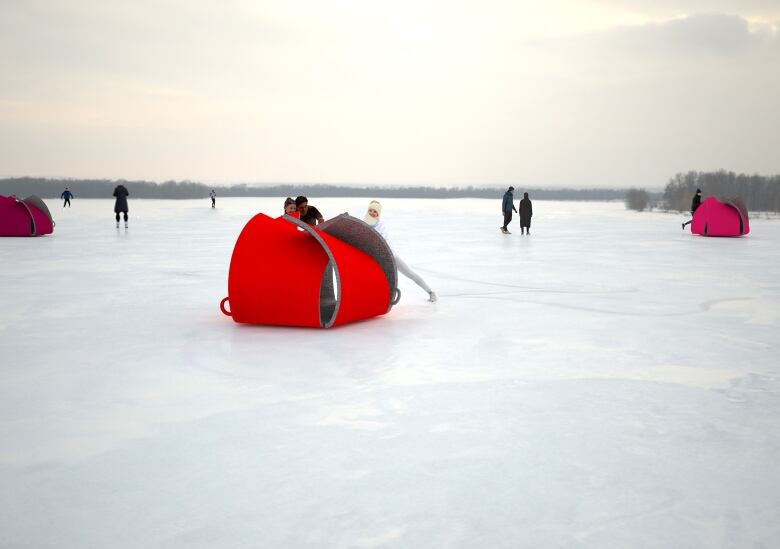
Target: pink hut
x=28, y=217
x=287, y=273
x=726, y=217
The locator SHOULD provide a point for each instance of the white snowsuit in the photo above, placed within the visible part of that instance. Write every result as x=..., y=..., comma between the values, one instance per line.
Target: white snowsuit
x=403, y=268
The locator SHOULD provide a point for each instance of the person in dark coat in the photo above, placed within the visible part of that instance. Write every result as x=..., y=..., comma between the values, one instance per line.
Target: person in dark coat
x=309, y=214
x=507, y=205
x=120, y=206
x=526, y=211
x=695, y=203
x=66, y=196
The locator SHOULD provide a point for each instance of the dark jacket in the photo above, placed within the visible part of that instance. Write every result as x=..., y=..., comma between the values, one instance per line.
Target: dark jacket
x=526, y=211
x=508, y=205
x=121, y=195
x=66, y=195
x=695, y=203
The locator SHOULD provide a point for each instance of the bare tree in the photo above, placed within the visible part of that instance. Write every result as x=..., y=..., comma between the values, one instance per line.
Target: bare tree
x=760, y=193
x=637, y=199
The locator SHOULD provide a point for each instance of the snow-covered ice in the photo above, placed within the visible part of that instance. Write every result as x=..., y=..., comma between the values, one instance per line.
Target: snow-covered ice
x=609, y=381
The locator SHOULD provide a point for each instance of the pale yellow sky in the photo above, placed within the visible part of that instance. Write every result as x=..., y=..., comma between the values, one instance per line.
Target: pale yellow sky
x=561, y=93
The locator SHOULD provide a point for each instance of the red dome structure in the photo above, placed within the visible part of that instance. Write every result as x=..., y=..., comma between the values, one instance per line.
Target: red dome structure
x=287, y=273
x=725, y=217
x=28, y=217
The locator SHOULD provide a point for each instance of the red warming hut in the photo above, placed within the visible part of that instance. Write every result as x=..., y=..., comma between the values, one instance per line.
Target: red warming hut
x=724, y=217
x=24, y=217
x=284, y=272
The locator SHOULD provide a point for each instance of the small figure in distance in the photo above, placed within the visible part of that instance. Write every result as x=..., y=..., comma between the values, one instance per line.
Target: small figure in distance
x=526, y=212
x=120, y=206
x=309, y=214
x=290, y=208
x=213, y=196
x=507, y=206
x=66, y=196
x=695, y=203
x=372, y=218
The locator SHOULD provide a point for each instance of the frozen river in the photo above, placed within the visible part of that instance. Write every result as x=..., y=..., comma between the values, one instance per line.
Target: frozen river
x=607, y=382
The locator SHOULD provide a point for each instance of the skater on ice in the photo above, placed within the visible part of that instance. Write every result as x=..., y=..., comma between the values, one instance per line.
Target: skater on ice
x=506, y=208
x=526, y=212
x=695, y=203
x=120, y=206
x=66, y=196
x=372, y=218
x=213, y=196
x=309, y=214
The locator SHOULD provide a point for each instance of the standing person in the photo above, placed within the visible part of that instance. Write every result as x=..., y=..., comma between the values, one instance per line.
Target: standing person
x=66, y=196
x=213, y=195
x=372, y=218
x=120, y=206
x=526, y=212
x=506, y=208
x=695, y=203
x=309, y=214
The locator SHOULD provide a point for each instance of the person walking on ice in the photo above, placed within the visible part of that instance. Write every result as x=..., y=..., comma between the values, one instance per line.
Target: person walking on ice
x=66, y=196
x=372, y=218
x=526, y=212
x=506, y=208
x=213, y=196
x=120, y=206
x=695, y=203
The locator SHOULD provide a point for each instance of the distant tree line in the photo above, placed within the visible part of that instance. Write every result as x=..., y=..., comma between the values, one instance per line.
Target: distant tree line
x=760, y=193
x=102, y=188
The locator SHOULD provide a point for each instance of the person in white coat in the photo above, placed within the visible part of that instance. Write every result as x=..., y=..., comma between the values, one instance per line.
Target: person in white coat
x=372, y=218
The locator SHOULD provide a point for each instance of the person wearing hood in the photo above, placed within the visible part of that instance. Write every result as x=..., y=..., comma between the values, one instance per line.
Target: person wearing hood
x=120, y=206
x=66, y=196
x=213, y=196
x=526, y=212
x=695, y=203
x=290, y=208
x=507, y=206
x=372, y=218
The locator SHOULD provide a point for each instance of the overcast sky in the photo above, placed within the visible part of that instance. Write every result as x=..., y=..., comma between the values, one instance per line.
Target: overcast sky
x=558, y=93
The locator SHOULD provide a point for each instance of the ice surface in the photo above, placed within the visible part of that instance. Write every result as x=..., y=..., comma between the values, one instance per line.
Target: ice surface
x=609, y=381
